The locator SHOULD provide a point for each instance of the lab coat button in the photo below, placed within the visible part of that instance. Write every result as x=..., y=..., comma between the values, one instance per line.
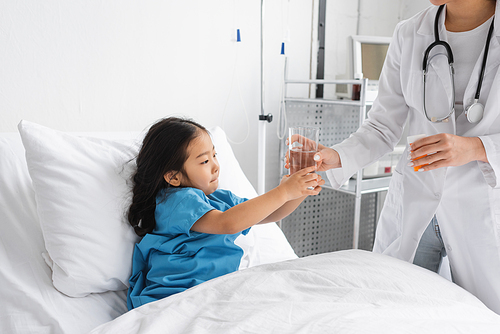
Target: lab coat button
x=438, y=195
x=449, y=249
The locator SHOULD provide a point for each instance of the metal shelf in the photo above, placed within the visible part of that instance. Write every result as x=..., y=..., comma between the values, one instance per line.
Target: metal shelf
x=344, y=102
x=323, y=101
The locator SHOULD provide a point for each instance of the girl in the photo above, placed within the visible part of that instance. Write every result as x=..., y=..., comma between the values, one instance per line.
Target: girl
x=187, y=224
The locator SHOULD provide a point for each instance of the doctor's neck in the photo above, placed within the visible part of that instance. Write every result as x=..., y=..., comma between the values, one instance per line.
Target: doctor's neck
x=465, y=15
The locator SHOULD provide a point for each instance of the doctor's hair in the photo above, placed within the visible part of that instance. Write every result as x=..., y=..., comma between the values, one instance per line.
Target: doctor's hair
x=164, y=149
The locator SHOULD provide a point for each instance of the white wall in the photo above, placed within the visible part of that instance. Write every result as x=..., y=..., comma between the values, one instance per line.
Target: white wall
x=118, y=65
x=362, y=17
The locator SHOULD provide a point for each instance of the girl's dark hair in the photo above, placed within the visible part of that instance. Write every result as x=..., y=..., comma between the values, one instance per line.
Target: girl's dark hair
x=163, y=149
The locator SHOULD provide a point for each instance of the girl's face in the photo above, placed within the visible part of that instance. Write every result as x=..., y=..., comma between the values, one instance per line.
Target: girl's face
x=201, y=167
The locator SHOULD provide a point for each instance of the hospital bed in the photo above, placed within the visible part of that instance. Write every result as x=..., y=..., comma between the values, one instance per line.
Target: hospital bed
x=65, y=257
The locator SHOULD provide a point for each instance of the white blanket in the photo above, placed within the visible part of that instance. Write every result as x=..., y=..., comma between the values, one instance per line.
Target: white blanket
x=342, y=292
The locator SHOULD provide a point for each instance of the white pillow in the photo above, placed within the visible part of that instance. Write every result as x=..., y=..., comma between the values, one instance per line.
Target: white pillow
x=231, y=175
x=82, y=194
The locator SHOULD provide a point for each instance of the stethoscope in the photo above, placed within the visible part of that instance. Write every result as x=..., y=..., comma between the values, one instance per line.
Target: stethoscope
x=474, y=112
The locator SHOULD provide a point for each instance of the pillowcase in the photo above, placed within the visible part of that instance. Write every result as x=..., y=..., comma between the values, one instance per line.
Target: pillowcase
x=82, y=196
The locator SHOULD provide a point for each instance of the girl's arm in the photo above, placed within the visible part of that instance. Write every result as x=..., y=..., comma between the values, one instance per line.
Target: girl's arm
x=251, y=212
x=283, y=211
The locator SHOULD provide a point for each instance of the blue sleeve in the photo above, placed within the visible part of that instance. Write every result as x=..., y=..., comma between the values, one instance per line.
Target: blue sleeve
x=231, y=199
x=237, y=200
x=178, y=213
x=228, y=197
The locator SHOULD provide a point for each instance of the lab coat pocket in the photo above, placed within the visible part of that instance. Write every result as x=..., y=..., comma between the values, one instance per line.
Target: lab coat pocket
x=437, y=92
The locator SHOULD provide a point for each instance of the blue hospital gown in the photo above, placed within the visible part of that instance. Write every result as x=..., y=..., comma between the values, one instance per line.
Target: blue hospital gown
x=172, y=258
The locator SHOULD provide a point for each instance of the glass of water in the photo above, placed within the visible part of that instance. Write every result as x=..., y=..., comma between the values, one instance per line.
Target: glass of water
x=302, y=146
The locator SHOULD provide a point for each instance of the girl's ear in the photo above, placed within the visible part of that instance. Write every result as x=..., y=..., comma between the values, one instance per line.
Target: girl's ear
x=173, y=178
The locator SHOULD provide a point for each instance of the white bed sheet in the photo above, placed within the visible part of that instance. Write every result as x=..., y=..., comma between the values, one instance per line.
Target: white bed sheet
x=343, y=292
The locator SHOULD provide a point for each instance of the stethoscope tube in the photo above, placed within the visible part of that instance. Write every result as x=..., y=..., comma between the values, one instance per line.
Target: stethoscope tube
x=449, y=56
x=437, y=42
x=485, y=57
x=452, y=103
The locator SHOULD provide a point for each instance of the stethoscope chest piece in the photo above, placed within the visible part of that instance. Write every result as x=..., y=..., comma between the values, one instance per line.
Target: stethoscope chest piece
x=474, y=112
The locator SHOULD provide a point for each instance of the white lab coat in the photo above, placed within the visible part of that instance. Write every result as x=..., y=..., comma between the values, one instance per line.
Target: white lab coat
x=465, y=199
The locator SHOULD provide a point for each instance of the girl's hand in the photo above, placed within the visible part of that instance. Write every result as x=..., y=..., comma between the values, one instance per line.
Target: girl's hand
x=326, y=158
x=446, y=150
x=302, y=183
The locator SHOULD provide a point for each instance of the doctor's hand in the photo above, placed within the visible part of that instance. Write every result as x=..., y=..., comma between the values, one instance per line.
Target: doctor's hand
x=326, y=158
x=446, y=150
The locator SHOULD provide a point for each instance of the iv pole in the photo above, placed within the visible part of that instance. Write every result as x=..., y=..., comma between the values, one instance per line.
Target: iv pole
x=263, y=119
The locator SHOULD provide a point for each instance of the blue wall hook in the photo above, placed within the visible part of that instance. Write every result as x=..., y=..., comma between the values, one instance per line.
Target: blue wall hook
x=238, y=37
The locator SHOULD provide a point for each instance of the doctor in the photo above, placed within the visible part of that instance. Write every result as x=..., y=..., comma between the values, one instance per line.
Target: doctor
x=451, y=205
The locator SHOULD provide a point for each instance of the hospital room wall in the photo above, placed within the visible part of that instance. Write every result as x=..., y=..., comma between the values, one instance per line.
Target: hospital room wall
x=119, y=65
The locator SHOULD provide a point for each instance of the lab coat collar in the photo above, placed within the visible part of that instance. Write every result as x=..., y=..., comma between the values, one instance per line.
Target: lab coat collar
x=427, y=25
